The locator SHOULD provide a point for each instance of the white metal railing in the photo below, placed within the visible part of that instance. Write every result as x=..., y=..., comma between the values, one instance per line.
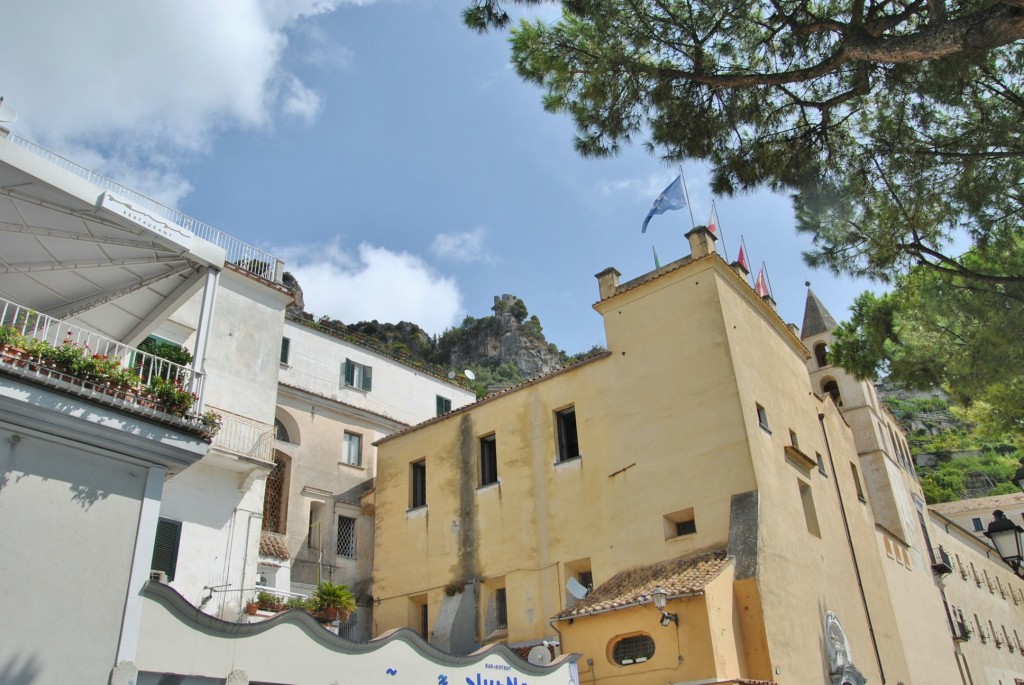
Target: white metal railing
x=89, y=356
x=243, y=435
x=241, y=254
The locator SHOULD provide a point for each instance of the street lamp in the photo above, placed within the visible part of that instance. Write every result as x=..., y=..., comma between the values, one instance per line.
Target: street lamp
x=660, y=601
x=1005, y=536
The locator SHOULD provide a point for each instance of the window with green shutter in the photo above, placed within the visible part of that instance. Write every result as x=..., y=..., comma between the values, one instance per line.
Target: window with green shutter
x=358, y=375
x=165, y=549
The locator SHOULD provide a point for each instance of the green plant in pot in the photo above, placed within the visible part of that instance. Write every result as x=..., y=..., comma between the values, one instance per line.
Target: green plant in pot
x=333, y=601
x=268, y=601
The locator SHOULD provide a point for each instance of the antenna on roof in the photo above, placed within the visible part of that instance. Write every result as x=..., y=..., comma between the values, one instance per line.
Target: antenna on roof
x=7, y=113
x=470, y=375
x=576, y=588
x=539, y=656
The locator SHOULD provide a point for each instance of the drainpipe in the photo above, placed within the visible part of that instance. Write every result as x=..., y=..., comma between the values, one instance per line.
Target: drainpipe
x=853, y=552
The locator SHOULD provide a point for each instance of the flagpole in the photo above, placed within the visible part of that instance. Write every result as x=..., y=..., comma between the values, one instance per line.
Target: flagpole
x=689, y=206
x=725, y=248
x=766, y=277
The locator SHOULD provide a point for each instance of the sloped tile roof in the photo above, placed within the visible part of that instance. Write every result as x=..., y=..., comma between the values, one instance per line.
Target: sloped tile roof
x=682, y=576
x=272, y=545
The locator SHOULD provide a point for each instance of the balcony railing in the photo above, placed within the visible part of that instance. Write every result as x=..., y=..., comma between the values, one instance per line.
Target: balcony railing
x=252, y=259
x=49, y=350
x=245, y=437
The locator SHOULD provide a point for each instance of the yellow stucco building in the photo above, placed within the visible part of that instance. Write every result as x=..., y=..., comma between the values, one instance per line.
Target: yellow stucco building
x=703, y=455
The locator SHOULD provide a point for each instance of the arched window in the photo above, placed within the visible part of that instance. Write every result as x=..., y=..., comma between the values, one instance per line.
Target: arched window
x=633, y=650
x=832, y=388
x=281, y=431
x=821, y=354
x=275, y=512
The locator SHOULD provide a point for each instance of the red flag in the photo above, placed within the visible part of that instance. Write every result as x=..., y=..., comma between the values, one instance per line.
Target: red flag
x=761, y=286
x=743, y=259
x=713, y=221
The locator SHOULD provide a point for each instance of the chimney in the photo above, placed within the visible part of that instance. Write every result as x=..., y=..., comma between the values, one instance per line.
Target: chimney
x=741, y=270
x=607, y=282
x=702, y=242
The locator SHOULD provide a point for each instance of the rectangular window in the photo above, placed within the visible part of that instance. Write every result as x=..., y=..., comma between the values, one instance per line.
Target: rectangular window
x=856, y=482
x=810, y=515
x=285, y=345
x=165, y=548
x=418, y=484
x=346, y=537
x=821, y=465
x=444, y=405
x=315, y=536
x=501, y=608
x=488, y=460
x=568, y=439
x=358, y=376
x=978, y=525
x=352, y=453
x=762, y=418
x=793, y=441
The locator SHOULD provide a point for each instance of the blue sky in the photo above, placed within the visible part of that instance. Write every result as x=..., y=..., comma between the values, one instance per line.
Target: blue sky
x=391, y=156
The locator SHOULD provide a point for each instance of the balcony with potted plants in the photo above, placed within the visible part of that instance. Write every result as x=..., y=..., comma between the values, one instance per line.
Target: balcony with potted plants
x=67, y=358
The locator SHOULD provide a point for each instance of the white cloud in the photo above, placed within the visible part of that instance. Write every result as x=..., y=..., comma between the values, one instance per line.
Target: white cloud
x=130, y=79
x=374, y=283
x=463, y=247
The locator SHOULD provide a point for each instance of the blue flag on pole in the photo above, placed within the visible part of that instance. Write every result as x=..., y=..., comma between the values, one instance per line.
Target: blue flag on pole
x=672, y=197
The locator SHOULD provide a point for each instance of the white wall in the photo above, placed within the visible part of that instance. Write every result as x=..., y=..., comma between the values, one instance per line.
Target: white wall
x=316, y=364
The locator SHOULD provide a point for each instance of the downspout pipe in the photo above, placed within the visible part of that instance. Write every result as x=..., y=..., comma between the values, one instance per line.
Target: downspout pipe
x=853, y=551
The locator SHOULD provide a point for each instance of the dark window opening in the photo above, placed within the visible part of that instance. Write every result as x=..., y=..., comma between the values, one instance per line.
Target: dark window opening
x=419, y=484
x=831, y=388
x=285, y=345
x=821, y=354
x=568, y=439
x=686, y=527
x=280, y=431
x=488, y=460
x=500, y=608
x=444, y=405
x=273, y=498
x=762, y=418
x=346, y=543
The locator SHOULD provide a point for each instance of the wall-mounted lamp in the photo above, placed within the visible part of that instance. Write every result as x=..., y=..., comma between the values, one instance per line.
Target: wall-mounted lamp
x=660, y=601
x=1005, y=536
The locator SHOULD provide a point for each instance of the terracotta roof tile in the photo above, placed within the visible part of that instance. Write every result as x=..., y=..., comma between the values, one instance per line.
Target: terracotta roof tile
x=682, y=576
x=272, y=545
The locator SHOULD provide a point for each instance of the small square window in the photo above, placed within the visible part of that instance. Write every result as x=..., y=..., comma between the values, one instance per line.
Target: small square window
x=686, y=527
x=762, y=418
x=352, y=453
x=488, y=460
x=679, y=523
x=444, y=405
x=418, y=484
x=357, y=375
x=568, y=439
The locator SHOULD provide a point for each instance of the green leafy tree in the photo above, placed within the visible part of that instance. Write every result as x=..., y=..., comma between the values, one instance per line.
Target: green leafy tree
x=937, y=330
x=895, y=125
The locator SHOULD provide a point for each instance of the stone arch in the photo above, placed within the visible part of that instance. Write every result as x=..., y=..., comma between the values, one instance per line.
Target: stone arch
x=830, y=387
x=821, y=354
x=286, y=429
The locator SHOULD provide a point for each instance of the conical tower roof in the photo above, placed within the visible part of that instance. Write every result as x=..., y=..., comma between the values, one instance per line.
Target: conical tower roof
x=816, y=317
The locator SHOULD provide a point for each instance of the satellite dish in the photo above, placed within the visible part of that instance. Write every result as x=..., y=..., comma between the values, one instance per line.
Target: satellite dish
x=539, y=656
x=7, y=113
x=451, y=375
x=576, y=588
x=470, y=375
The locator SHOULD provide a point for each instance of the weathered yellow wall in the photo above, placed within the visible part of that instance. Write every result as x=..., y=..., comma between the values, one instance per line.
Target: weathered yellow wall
x=666, y=421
